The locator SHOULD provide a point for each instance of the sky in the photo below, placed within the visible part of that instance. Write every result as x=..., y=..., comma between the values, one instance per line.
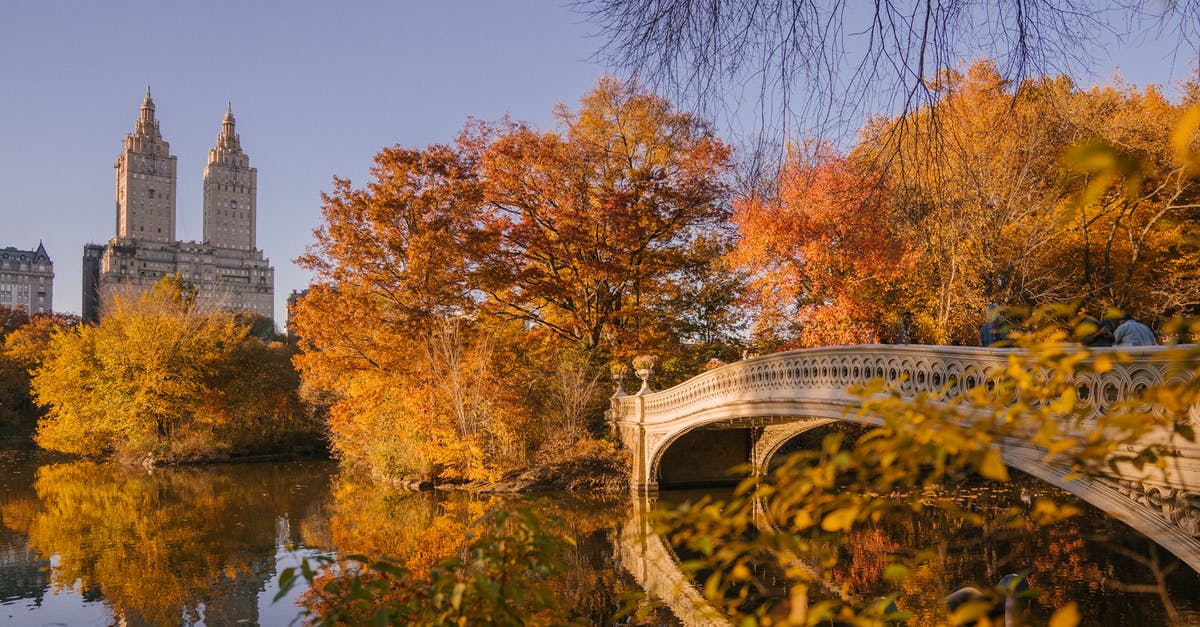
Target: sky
x=317, y=89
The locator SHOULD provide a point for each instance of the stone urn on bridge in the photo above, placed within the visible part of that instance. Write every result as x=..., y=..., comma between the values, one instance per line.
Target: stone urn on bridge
x=643, y=366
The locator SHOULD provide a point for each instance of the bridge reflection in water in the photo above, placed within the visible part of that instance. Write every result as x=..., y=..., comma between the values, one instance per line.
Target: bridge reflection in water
x=744, y=412
x=1092, y=560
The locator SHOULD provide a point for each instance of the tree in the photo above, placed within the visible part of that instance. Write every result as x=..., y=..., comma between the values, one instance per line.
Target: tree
x=462, y=273
x=824, y=255
x=601, y=215
x=160, y=377
x=992, y=208
x=392, y=317
x=979, y=200
x=1133, y=229
x=21, y=352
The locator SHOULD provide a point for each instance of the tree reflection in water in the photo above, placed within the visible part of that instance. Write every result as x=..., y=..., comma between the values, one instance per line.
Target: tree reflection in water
x=1115, y=574
x=169, y=546
x=417, y=531
x=187, y=544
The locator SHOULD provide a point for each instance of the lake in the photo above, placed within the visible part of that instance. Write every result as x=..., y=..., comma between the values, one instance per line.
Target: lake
x=83, y=543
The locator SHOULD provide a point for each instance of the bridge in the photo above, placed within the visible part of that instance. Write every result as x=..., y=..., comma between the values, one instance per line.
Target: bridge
x=745, y=412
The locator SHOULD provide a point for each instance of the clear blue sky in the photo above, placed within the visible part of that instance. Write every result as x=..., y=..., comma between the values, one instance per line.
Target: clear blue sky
x=317, y=89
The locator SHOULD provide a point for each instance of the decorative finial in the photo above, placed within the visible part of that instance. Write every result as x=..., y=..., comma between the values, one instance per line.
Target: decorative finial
x=148, y=102
x=229, y=107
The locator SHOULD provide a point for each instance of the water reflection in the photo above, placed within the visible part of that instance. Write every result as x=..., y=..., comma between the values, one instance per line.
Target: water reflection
x=420, y=529
x=89, y=543
x=181, y=546
x=86, y=543
x=1116, y=575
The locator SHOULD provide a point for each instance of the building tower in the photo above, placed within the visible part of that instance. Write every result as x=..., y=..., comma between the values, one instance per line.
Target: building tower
x=146, y=182
x=226, y=268
x=230, y=190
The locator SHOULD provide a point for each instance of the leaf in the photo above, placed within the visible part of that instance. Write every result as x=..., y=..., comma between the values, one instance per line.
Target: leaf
x=1065, y=616
x=456, y=596
x=1065, y=403
x=841, y=519
x=1181, y=138
x=895, y=573
x=993, y=466
x=287, y=579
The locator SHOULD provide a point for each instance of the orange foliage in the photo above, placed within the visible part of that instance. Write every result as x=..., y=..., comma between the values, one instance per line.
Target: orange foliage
x=823, y=252
x=460, y=274
x=601, y=214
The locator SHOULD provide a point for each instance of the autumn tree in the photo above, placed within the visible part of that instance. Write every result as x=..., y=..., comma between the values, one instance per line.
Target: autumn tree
x=979, y=199
x=992, y=208
x=23, y=342
x=1130, y=236
x=447, y=285
x=389, y=327
x=602, y=214
x=161, y=377
x=824, y=255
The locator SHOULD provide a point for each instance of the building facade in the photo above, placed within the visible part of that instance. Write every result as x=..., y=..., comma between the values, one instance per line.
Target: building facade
x=226, y=267
x=27, y=279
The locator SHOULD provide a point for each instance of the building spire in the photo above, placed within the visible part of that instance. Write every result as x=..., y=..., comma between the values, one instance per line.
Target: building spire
x=228, y=141
x=147, y=125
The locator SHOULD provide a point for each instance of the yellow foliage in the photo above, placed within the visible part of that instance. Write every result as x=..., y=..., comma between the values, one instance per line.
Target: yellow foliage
x=158, y=376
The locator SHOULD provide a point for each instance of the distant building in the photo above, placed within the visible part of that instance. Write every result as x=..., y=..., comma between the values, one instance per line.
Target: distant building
x=293, y=299
x=27, y=279
x=226, y=268
x=92, y=253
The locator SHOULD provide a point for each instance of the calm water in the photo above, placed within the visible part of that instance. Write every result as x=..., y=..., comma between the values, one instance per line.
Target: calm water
x=97, y=544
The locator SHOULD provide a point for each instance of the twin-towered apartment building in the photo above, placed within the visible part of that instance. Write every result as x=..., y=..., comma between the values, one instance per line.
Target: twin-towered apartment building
x=226, y=267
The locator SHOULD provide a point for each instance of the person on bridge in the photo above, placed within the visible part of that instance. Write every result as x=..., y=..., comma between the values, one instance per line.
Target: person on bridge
x=995, y=328
x=1133, y=333
x=1101, y=336
x=906, y=328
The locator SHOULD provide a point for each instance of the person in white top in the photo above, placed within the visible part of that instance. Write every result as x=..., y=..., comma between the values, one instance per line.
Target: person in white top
x=1133, y=333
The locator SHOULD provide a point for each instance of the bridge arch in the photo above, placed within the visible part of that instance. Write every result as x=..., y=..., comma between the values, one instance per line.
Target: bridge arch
x=750, y=442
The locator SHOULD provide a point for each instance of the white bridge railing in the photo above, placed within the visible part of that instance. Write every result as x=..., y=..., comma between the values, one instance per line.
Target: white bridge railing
x=829, y=372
